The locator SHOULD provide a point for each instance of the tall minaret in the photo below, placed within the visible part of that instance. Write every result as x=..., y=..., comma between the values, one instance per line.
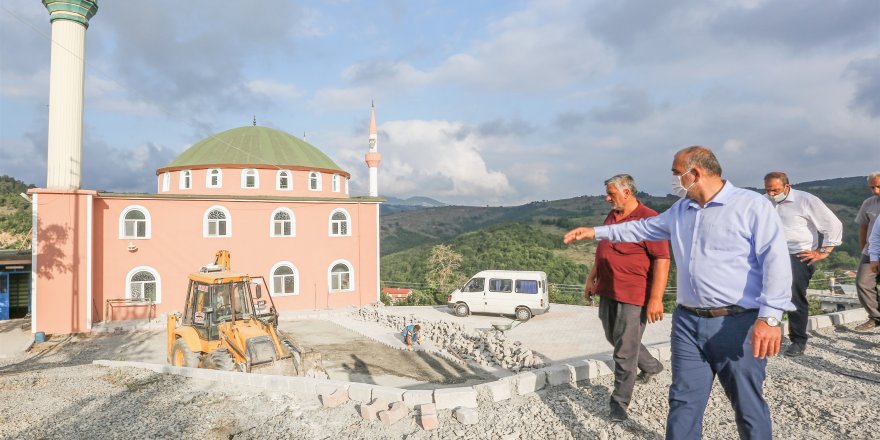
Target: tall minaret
x=373, y=157
x=69, y=19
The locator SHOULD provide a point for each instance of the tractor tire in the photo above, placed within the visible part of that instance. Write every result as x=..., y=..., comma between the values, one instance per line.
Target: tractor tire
x=219, y=360
x=182, y=356
x=523, y=314
x=461, y=309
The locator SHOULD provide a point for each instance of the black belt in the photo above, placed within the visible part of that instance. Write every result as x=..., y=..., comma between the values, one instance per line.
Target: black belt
x=714, y=312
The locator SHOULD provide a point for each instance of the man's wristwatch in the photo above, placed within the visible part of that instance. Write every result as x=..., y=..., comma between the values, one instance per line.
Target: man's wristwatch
x=771, y=321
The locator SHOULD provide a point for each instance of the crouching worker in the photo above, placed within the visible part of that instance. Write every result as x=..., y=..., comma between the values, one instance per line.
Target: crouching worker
x=410, y=334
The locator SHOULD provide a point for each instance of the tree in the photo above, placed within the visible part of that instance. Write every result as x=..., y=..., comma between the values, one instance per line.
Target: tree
x=444, y=264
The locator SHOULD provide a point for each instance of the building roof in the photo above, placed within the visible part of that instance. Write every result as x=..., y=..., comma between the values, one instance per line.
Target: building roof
x=253, y=146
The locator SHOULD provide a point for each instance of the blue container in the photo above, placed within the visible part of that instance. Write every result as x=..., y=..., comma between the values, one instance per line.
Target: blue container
x=39, y=337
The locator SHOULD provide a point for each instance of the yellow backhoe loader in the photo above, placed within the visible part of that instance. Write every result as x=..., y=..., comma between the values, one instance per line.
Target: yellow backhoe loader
x=230, y=323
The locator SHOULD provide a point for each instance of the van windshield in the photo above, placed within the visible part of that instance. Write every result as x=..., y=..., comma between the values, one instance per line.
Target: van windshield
x=474, y=285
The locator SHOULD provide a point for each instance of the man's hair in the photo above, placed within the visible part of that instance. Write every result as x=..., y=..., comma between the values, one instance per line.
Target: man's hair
x=417, y=327
x=873, y=176
x=777, y=175
x=621, y=182
x=699, y=156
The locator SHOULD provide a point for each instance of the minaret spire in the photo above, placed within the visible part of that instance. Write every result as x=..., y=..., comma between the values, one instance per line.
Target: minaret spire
x=373, y=157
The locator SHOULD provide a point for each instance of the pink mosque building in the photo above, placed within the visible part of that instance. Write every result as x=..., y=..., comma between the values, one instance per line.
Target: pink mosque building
x=278, y=204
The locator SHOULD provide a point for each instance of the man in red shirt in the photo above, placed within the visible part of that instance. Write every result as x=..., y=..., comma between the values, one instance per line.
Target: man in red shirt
x=630, y=278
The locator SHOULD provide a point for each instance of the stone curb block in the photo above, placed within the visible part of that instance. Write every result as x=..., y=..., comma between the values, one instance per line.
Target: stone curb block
x=449, y=398
x=304, y=386
x=371, y=411
x=820, y=321
x=389, y=394
x=360, y=392
x=394, y=414
x=334, y=399
x=530, y=381
x=499, y=390
x=579, y=371
x=428, y=417
x=558, y=375
x=413, y=398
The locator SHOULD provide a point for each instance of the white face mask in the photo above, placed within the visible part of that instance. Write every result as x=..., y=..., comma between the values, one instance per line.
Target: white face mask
x=677, y=187
x=778, y=198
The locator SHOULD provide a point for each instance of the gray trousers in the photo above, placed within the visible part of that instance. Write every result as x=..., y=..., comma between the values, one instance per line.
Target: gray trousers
x=866, y=286
x=624, y=325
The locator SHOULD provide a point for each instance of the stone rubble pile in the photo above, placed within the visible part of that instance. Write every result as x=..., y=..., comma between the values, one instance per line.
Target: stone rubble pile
x=487, y=348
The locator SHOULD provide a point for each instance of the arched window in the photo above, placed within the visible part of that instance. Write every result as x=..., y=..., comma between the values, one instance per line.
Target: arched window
x=341, y=276
x=339, y=223
x=285, y=279
x=214, y=178
x=134, y=223
x=314, y=181
x=283, y=223
x=283, y=181
x=218, y=222
x=166, y=182
x=250, y=178
x=335, y=184
x=143, y=284
x=185, y=179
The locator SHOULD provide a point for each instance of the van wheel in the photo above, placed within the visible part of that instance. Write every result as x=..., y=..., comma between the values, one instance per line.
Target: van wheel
x=523, y=314
x=461, y=309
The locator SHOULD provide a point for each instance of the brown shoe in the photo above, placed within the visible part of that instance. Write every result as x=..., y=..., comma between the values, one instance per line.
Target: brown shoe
x=870, y=324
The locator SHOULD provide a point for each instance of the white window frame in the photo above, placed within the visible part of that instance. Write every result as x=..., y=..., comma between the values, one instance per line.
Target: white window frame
x=166, y=182
x=185, y=175
x=295, y=279
x=347, y=220
x=205, y=222
x=219, y=178
x=245, y=173
x=149, y=226
x=335, y=183
x=292, y=222
x=278, y=176
x=153, y=272
x=350, y=276
x=317, y=176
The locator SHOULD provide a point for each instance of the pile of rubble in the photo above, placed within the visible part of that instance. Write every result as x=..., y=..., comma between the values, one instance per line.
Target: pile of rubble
x=487, y=348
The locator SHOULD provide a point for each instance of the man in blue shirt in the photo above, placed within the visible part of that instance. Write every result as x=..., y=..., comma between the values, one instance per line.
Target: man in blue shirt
x=734, y=282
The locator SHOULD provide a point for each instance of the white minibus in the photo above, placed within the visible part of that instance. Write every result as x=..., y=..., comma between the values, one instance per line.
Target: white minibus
x=512, y=292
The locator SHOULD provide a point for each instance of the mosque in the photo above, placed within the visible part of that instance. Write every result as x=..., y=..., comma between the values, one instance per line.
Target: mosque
x=279, y=205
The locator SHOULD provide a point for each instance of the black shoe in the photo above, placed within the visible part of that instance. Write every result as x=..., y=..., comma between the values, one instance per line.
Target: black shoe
x=644, y=377
x=795, y=349
x=618, y=413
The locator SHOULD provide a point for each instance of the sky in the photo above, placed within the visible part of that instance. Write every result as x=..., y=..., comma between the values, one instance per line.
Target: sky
x=477, y=102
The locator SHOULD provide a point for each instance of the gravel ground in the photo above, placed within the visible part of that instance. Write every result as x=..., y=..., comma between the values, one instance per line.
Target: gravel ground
x=55, y=392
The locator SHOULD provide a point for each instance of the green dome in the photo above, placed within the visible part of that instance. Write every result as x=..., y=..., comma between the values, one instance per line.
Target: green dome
x=253, y=146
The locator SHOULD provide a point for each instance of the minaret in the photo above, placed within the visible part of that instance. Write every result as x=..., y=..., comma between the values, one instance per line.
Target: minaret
x=373, y=157
x=69, y=19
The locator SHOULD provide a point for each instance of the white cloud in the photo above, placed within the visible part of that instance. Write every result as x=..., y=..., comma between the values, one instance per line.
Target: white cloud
x=733, y=146
x=272, y=89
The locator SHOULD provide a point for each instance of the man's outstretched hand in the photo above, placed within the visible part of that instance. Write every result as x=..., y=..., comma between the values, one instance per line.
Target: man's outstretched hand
x=579, y=234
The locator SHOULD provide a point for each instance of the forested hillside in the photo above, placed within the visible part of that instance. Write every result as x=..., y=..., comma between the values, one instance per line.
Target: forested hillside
x=15, y=213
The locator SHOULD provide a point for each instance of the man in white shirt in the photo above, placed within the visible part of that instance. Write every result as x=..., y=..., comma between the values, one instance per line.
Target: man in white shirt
x=866, y=280
x=803, y=217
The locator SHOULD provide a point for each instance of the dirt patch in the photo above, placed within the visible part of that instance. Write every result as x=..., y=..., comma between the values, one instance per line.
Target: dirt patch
x=349, y=356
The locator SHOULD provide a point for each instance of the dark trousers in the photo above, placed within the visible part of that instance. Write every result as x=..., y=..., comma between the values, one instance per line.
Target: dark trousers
x=624, y=325
x=797, y=320
x=703, y=348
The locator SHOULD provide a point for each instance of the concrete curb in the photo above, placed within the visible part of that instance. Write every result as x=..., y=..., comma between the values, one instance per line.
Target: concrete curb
x=523, y=383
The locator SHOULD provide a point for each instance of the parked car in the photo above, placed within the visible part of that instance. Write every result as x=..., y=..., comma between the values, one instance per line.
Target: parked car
x=513, y=292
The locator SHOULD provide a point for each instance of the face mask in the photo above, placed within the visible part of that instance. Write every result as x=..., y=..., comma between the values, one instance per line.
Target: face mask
x=677, y=187
x=778, y=198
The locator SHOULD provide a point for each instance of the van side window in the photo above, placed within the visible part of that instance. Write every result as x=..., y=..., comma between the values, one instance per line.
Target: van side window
x=526, y=286
x=474, y=285
x=500, y=285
